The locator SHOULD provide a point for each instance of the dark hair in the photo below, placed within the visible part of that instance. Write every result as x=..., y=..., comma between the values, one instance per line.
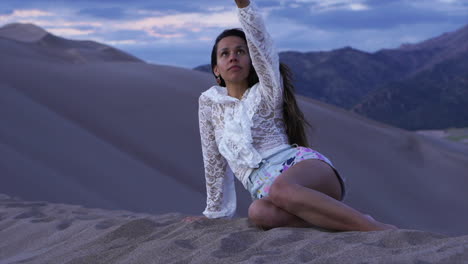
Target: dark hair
x=293, y=116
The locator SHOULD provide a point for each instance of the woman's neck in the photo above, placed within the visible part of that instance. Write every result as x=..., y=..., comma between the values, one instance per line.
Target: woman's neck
x=236, y=89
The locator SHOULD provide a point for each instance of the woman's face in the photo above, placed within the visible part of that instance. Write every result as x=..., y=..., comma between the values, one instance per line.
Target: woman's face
x=233, y=60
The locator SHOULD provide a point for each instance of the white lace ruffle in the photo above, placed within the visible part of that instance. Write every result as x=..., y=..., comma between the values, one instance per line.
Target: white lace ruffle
x=236, y=142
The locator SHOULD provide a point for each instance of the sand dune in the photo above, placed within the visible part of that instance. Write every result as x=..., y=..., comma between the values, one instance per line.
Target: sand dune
x=124, y=135
x=22, y=32
x=40, y=232
x=28, y=41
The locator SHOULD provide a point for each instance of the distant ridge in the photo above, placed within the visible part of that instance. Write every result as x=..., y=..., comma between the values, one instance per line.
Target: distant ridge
x=424, y=55
x=22, y=32
x=58, y=48
x=457, y=40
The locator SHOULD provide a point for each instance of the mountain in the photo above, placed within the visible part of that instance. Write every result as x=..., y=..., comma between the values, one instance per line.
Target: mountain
x=366, y=82
x=338, y=77
x=424, y=55
x=435, y=93
x=439, y=94
x=54, y=48
x=23, y=32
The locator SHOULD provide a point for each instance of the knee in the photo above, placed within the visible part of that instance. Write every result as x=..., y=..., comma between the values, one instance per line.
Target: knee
x=257, y=213
x=280, y=193
x=263, y=214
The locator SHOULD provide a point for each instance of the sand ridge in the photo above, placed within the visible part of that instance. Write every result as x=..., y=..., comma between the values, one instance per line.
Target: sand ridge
x=22, y=32
x=41, y=232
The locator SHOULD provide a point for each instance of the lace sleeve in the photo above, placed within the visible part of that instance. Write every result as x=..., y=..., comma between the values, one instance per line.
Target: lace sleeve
x=265, y=59
x=220, y=189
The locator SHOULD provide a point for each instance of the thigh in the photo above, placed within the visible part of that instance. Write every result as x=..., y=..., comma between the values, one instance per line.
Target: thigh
x=314, y=174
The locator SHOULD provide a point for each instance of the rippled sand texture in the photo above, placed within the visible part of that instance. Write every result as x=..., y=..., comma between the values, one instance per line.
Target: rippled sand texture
x=39, y=232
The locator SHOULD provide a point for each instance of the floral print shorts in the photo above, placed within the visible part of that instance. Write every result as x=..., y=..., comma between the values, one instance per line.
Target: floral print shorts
x=261, y=179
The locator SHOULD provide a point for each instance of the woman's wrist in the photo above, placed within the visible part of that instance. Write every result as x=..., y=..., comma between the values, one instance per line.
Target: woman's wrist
x=242, y=3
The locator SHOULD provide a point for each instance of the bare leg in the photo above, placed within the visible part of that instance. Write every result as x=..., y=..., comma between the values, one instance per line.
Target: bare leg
x=266, y=215
x=309, y=190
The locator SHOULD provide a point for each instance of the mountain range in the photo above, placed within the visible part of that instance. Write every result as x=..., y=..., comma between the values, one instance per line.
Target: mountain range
x=416, y=86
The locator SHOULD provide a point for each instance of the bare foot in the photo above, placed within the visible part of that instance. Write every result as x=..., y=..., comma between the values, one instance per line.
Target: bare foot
x=370, y=217
x=379, y=225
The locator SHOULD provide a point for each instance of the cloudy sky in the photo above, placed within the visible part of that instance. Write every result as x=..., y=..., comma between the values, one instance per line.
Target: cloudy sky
x=181, y=32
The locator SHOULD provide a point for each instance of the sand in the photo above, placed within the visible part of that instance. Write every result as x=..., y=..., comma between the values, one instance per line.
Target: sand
x=41, y=232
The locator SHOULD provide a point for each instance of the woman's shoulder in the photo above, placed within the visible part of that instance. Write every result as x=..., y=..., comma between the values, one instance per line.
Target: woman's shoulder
x=216, y=94
x=209, y=91
x=208, y=95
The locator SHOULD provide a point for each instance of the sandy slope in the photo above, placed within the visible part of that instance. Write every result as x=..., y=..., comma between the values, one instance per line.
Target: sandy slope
x=124, y=135
x=40, y=232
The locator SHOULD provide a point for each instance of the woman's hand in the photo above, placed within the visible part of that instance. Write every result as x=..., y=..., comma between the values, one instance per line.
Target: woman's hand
x=242, y=3
x=191, y=219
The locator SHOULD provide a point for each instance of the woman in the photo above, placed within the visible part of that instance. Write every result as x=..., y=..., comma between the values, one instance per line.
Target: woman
x=248, y=121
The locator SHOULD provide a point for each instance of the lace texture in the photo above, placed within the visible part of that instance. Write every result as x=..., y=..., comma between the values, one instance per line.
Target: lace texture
x=238, y=132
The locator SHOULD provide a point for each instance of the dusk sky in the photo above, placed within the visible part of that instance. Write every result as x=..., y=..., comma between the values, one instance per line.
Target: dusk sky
x=181, y=32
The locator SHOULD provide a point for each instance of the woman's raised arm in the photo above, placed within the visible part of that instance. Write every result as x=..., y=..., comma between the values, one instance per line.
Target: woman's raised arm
x=263, y=53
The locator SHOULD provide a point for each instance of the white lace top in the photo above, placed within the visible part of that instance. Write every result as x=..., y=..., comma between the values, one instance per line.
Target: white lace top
x=240, y=133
